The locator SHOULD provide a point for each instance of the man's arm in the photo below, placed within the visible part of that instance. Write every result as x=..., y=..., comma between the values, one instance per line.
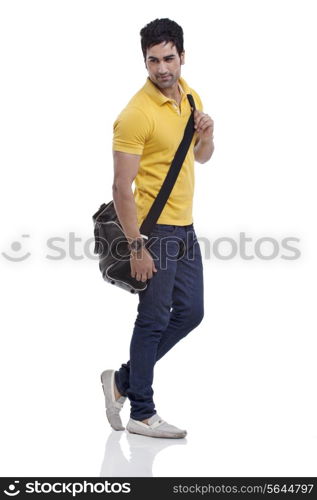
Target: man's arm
x=204, y=146
x=126, y=167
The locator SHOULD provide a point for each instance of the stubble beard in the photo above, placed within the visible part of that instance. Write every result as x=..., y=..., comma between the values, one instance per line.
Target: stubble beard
x=166, y=84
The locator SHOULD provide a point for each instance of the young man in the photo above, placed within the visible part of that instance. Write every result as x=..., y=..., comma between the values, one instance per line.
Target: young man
x=146, y=136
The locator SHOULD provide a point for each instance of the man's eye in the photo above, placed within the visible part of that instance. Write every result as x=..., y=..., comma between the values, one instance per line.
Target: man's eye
x=168, y=59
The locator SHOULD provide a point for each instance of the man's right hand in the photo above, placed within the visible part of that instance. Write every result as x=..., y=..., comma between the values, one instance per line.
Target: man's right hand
x=142, y=265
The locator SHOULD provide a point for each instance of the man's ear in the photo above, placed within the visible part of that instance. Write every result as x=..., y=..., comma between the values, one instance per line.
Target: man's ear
x=182, y=57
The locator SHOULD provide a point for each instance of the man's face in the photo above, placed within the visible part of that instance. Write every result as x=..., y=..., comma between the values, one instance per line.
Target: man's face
x=164, y=64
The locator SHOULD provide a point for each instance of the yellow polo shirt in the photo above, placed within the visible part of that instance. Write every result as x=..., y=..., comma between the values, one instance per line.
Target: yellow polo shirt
x=152, y=126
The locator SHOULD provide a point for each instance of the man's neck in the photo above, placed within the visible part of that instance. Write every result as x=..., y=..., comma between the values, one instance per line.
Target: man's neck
x=173, y=92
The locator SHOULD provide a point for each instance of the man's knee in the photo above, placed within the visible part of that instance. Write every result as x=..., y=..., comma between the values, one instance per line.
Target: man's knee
x=153, y=321
x=196, y=315
x=190, y=318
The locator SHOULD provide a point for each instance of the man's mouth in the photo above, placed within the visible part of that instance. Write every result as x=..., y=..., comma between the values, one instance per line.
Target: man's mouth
x=166, y=77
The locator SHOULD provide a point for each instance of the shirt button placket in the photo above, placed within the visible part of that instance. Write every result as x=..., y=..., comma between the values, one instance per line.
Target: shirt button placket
x=177, y=108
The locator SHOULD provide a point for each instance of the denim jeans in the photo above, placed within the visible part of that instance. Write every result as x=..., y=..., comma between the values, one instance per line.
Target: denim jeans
x=169, y=308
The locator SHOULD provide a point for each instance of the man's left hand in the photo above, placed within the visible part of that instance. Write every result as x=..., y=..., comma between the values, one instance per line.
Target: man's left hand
x=204, y=125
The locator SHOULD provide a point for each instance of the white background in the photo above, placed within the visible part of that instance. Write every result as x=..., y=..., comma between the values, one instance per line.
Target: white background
x=243, y=383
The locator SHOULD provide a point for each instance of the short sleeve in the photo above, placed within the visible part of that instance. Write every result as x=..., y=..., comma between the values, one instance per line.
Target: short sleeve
x=130, y=131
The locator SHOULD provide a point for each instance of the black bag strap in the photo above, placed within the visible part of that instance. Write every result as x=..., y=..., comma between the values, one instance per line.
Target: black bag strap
x=172, y=174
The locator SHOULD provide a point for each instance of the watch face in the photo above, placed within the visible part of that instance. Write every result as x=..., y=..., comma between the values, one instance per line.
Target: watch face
x=136, y=245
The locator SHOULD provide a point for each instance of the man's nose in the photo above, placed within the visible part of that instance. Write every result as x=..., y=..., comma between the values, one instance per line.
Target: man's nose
x=162, y=68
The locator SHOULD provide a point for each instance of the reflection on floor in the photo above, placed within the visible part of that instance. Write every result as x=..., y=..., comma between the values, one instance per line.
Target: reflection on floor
x=142, y=452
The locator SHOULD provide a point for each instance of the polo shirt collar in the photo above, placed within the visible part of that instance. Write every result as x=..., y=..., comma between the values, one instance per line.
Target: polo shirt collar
x=152, y=90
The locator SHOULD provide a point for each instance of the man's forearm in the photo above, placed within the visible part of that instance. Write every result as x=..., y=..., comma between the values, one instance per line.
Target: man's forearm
x=126, y=210
x=203, y=150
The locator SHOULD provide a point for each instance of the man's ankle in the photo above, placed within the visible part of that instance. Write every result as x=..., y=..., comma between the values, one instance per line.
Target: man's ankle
x=117, y=394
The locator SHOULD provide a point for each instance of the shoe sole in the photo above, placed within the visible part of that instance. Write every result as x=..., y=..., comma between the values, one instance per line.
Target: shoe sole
x=174, y=436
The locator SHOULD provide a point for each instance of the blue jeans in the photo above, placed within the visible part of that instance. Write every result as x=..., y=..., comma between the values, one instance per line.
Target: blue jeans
x=169, y=308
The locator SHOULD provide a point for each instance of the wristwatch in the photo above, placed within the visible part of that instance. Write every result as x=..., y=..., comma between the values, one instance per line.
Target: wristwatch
x=136, y=244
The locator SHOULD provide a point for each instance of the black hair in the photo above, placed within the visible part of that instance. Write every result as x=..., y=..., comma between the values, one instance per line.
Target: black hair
x=162, y=30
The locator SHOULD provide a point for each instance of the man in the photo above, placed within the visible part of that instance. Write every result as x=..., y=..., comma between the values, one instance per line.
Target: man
x=146, y=136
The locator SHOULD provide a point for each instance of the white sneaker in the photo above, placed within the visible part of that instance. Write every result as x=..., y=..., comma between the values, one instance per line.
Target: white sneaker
x=156, y=427
x=113, y=406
